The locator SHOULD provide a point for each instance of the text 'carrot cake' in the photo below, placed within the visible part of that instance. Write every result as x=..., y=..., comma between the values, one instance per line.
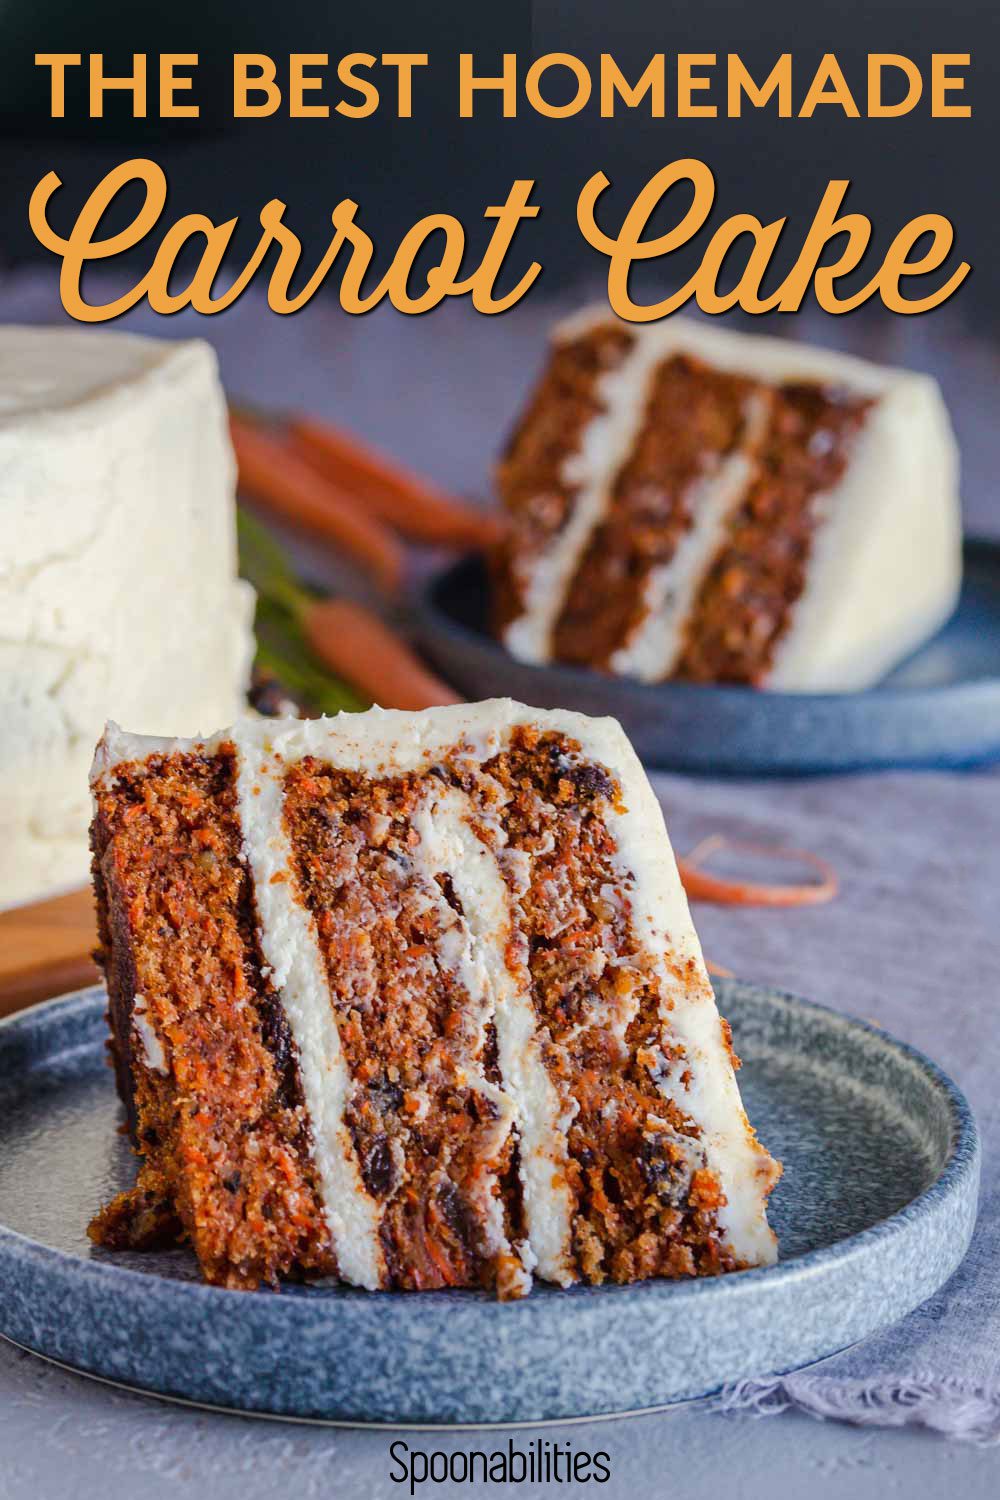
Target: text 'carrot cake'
x=688, y=502
x=415, y=1000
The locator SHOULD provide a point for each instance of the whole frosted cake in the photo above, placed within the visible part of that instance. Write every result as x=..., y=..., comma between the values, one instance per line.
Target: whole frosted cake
x=415, y=999
x=688, y=502
x=118, y=587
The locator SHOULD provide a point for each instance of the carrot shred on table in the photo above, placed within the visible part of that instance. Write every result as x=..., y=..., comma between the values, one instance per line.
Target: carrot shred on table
x=701, y=886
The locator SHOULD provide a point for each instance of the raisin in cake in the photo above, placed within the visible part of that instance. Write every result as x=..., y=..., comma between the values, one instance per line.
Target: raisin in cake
x=415, y=1000
x=118, y=589
x=694, y=503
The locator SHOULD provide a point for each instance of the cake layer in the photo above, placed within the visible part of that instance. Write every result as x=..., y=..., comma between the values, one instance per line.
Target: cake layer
x=202, y=1046
x=506, y=1045
x=118, y=587
x=758, y=512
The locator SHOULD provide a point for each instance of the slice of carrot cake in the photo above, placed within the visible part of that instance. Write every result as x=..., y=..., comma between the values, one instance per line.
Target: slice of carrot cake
x=415, y=1000
x=684, y=501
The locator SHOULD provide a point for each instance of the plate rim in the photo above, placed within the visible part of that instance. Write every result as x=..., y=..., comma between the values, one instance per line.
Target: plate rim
x=962, y=1163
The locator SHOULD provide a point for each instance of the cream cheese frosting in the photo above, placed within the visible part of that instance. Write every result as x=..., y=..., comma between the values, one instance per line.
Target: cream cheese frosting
x=118, y=587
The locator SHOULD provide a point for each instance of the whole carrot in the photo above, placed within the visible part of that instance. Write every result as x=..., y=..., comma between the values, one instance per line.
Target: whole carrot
x=359, y=647
x=414, y=506
x=291, y=489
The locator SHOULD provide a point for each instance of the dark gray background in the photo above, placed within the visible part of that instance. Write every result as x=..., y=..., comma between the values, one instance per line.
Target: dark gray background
x=400, y=170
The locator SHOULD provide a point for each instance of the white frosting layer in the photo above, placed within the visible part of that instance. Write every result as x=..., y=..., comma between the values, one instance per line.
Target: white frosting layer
x=118, y=590
x=886, y=562
x=291, y=949
x=471, y=947
x=386, y=742
x=528, y=1090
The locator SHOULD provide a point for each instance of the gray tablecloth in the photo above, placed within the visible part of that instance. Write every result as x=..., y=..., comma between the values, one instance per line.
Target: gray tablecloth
x=913, y=941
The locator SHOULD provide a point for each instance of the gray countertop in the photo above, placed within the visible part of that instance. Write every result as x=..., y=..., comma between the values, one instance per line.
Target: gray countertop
x=65, y=1438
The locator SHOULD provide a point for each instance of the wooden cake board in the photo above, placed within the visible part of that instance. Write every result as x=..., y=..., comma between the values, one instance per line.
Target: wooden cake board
x=45, y=949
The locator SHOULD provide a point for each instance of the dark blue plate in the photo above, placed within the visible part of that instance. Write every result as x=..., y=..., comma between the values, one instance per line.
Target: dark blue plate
x=874, y=1212
x=940, y=708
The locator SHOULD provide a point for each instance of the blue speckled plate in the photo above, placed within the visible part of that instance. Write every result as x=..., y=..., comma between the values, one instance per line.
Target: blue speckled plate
x=874, y=1212
x=939, y=708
